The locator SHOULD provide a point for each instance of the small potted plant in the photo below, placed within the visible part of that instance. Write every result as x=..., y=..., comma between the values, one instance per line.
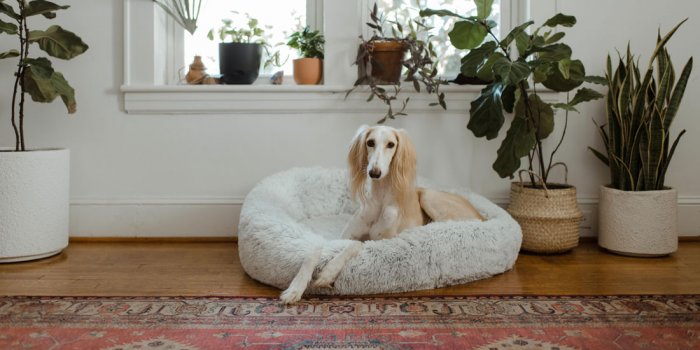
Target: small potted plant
x=547, y=212
x=308, y=70
x=637, y=214
x=381, y=59
x=34, y=183
x=241, y=51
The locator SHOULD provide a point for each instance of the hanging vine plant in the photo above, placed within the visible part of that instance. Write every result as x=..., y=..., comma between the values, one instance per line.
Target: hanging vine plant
x=184, y=12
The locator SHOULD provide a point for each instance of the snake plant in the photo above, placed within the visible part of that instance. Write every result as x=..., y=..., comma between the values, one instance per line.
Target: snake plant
x=640, y=111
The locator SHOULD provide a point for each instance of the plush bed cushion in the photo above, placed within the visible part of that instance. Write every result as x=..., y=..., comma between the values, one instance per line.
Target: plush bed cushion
x=288, y=214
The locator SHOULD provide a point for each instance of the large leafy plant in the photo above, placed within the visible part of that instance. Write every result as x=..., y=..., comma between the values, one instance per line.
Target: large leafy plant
x=420, y=62
x=538, y=58
x=640, y=110
x=35, y=76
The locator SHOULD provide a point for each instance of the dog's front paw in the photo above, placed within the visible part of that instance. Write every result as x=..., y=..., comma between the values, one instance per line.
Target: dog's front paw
x=291, y=295
x=324, y=280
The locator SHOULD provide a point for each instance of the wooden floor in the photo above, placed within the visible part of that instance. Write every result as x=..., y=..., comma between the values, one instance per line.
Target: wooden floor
x=209, y=269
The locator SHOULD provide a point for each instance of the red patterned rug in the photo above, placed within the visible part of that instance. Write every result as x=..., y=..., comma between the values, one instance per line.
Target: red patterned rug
x=495, y=322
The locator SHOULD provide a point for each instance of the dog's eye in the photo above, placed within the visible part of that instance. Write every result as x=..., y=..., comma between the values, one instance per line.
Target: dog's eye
x=390, y=145
x=370, y=143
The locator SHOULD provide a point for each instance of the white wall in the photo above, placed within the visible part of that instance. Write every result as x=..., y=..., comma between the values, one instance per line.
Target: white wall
x=186, y=175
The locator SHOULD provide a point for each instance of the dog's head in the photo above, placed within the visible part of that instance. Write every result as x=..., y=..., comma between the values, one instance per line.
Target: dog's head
x=379, y=153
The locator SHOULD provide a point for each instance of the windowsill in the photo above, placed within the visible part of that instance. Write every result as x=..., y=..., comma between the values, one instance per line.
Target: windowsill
x=285, y=99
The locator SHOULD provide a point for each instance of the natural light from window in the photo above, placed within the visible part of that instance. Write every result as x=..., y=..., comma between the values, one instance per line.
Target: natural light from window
x=278, y=21
x=403, y=10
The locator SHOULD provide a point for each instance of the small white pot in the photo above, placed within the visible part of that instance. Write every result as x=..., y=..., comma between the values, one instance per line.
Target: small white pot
x=638, y=223
x=34, y=204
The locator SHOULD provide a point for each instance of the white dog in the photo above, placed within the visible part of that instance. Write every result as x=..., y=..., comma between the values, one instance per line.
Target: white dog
x=382, y=163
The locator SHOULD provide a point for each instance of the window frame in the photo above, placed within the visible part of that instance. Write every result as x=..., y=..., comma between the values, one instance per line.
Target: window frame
x=152, y=48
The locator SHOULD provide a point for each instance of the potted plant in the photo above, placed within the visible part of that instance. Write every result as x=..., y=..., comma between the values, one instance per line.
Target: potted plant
x=547, y=211
x=34, y=183
x=637, y=213
x=241, y=51
x=381, y=59
x=308, y=70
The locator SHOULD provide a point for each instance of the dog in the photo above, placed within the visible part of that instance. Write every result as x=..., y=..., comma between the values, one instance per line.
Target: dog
x=382, y=163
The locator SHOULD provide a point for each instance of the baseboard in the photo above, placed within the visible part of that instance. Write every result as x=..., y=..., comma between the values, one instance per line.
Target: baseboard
x=153, y=239
x=155, y=217
x=217, y=217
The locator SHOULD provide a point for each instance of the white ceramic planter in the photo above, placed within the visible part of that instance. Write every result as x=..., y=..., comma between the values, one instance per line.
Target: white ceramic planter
x=638, y=223
x=34, y=204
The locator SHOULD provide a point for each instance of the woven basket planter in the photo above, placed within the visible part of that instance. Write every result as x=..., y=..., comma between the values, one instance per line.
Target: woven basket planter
x=549, y=218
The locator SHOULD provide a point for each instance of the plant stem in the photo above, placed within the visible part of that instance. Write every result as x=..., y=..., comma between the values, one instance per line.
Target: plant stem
x=18, y=77
x=566, y=123
x=24, y=55
x=531, y=123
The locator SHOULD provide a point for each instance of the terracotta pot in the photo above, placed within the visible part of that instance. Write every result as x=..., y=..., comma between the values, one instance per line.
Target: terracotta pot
x=638, y=223
x=308, y=71
x=387, y=57
x=550, y=218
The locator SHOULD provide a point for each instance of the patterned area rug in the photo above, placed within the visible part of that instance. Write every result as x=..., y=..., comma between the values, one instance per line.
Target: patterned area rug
x=514, y=323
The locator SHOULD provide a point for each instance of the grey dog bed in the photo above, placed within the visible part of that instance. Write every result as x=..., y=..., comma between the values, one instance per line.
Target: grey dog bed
x=288, y=214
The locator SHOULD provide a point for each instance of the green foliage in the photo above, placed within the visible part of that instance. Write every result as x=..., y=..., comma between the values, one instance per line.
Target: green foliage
x=309, y=43
x=420, y=63
x=251, y=33
x=540, y=58
x=184, y=12
x=36, y=77
x=640, y=111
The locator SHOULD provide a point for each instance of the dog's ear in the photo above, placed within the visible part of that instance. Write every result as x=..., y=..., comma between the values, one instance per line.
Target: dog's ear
x=403, y=166
x=357, y=162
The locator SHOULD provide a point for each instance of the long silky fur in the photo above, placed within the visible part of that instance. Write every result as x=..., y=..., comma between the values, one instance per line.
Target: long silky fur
x=357, y=162
x=402, y=171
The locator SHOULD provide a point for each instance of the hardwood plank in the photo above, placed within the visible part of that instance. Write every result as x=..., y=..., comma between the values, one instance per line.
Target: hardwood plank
x=212, y=269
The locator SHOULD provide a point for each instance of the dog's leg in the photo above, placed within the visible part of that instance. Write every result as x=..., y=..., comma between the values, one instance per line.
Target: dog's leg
x=387, y=225
x=331, y=271
x=296, y=289
x=357, y=227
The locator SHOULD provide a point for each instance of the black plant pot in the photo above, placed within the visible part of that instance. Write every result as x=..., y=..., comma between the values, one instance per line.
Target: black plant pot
x=239, y=63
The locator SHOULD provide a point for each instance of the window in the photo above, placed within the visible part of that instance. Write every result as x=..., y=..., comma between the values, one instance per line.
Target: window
x=403, y=11
x=278, y=21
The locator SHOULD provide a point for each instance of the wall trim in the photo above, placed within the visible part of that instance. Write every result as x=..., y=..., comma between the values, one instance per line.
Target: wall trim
x=152, y=218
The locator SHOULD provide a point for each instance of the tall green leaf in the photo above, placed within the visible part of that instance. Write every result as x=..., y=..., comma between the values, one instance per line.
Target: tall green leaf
x=518, y=142
x=483, y=8
x=677, y=95
x=9, y=53
x=486, y=112
x=441, y=13
x=8, y=10
x=58, y=42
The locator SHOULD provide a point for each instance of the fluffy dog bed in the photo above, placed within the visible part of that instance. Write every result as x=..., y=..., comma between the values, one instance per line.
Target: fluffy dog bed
x=290, y=213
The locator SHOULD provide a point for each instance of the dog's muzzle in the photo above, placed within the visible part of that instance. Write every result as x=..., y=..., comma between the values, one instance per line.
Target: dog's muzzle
x=375, y=173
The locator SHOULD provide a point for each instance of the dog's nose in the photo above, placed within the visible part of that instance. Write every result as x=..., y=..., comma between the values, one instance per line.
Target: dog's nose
x=375, y=173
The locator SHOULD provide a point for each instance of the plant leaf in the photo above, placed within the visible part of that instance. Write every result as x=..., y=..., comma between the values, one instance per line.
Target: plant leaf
x=8, y=10
x=585, y=95
x=511, y=73
x=557, y=82
x=9, y=28
x=561, y=20
x=58, y=42
x=603, y=158
x=595, y=79
x=485, y=72
x=517, y=144
x=9, y=53
x=514, y=33
x=66, y=92
x=42, y=7
x=467, y=35
x=541, y=112
x=486, y=112
x=483, y=8
x=441, y=13
x=476, y=57
x=508, y=98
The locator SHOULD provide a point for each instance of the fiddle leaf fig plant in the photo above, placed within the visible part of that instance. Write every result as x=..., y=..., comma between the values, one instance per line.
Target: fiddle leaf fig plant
x=515, y=65
x=35, y=76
